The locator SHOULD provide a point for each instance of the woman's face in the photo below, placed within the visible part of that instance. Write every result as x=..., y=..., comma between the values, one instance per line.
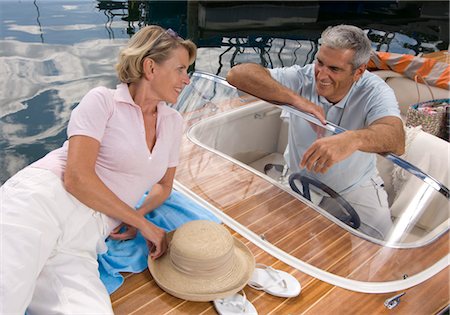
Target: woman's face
x=170, y=76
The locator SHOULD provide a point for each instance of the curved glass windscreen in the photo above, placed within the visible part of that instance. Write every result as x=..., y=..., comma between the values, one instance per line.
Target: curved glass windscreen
x=243, y=155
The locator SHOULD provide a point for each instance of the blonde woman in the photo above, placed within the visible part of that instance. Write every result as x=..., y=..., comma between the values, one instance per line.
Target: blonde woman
x=57, y=212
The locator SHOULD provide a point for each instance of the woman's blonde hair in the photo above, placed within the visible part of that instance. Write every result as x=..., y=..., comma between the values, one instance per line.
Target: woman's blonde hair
x=150, y=42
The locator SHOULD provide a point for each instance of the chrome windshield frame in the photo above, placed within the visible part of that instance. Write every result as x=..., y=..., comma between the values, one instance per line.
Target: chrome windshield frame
x=438, y=186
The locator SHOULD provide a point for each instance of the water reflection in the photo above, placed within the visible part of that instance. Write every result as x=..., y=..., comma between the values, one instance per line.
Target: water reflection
x=44, y=83
x=38, y=22
x=129, y=11
x=52, y=53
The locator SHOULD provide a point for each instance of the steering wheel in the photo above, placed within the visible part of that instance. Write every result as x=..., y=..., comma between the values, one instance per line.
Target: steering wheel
x=350, y=218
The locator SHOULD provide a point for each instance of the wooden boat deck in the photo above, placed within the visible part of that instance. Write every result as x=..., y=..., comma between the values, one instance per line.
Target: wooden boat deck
x=302, y=232
x=140, y=295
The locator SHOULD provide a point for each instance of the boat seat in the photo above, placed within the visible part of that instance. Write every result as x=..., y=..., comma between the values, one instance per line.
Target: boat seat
x=247, y=134
x=275, y=157
x=430, y=154
x=406, y=91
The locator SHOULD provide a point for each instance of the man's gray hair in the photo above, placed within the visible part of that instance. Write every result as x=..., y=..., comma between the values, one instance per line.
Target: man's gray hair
x=348, y=37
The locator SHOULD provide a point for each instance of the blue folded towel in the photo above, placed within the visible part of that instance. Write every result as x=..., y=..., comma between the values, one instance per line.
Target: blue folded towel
x=131, y=255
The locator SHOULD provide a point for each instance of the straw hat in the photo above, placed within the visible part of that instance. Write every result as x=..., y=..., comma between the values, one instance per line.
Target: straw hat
x=203, y=263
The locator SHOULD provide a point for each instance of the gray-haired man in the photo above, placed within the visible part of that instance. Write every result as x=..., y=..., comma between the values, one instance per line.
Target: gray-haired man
x=337, y=87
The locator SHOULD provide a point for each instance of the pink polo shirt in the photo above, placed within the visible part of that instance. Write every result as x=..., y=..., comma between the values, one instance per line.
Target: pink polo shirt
x=124, y=163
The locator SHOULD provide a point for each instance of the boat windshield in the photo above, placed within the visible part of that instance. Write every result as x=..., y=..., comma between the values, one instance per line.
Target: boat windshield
x=392, y=203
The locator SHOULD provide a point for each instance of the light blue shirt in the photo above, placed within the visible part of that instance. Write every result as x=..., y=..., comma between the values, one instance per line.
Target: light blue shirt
x=369, y=99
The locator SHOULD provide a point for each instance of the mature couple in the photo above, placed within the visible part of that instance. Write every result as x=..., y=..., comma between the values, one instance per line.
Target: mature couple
x=57, y=212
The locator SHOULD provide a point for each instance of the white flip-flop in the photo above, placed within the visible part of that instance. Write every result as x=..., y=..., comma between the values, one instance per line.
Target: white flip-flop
x=275, y=282
x=235, y=304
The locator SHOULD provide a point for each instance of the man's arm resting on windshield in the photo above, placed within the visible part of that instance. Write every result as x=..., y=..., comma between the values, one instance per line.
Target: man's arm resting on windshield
x=256, y=80
x=385, y=135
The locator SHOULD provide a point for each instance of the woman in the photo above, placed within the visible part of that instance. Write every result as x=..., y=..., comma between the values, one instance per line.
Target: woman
x=57, y=212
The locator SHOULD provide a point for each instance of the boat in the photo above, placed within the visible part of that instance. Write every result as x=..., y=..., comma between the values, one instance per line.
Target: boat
x=232, y=164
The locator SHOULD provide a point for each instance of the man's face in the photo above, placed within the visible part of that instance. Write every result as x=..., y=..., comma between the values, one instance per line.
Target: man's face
x=334, y=73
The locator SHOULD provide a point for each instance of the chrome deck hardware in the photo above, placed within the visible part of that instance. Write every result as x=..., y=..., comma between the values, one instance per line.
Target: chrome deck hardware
x=393, y=301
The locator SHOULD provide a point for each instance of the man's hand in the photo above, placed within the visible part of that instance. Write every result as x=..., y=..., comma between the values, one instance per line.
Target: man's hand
x=309, y=107
x=327, y=151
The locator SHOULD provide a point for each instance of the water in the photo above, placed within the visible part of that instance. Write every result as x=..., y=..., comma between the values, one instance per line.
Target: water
x=53, y=52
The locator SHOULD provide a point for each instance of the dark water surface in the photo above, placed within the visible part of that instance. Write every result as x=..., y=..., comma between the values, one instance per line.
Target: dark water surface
x=53, y=52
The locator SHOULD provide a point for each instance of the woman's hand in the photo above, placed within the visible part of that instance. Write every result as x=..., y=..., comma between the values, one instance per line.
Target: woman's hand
x=155, y=237
x=156, y=240
x=123, y=232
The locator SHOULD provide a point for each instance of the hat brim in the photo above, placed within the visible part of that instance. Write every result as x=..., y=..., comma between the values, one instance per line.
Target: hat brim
x=204, y=288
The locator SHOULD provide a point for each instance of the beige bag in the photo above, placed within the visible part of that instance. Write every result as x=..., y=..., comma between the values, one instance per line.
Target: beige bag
x=431, y=115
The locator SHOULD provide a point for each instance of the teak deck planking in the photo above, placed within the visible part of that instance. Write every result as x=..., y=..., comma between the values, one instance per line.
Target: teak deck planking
x=300, y=231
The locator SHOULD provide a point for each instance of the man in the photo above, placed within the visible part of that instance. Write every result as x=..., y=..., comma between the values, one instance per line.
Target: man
x=337, y=87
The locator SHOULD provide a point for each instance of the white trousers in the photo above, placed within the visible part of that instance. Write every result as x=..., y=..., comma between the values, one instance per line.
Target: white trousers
x=48, y=245
x=370, y=201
